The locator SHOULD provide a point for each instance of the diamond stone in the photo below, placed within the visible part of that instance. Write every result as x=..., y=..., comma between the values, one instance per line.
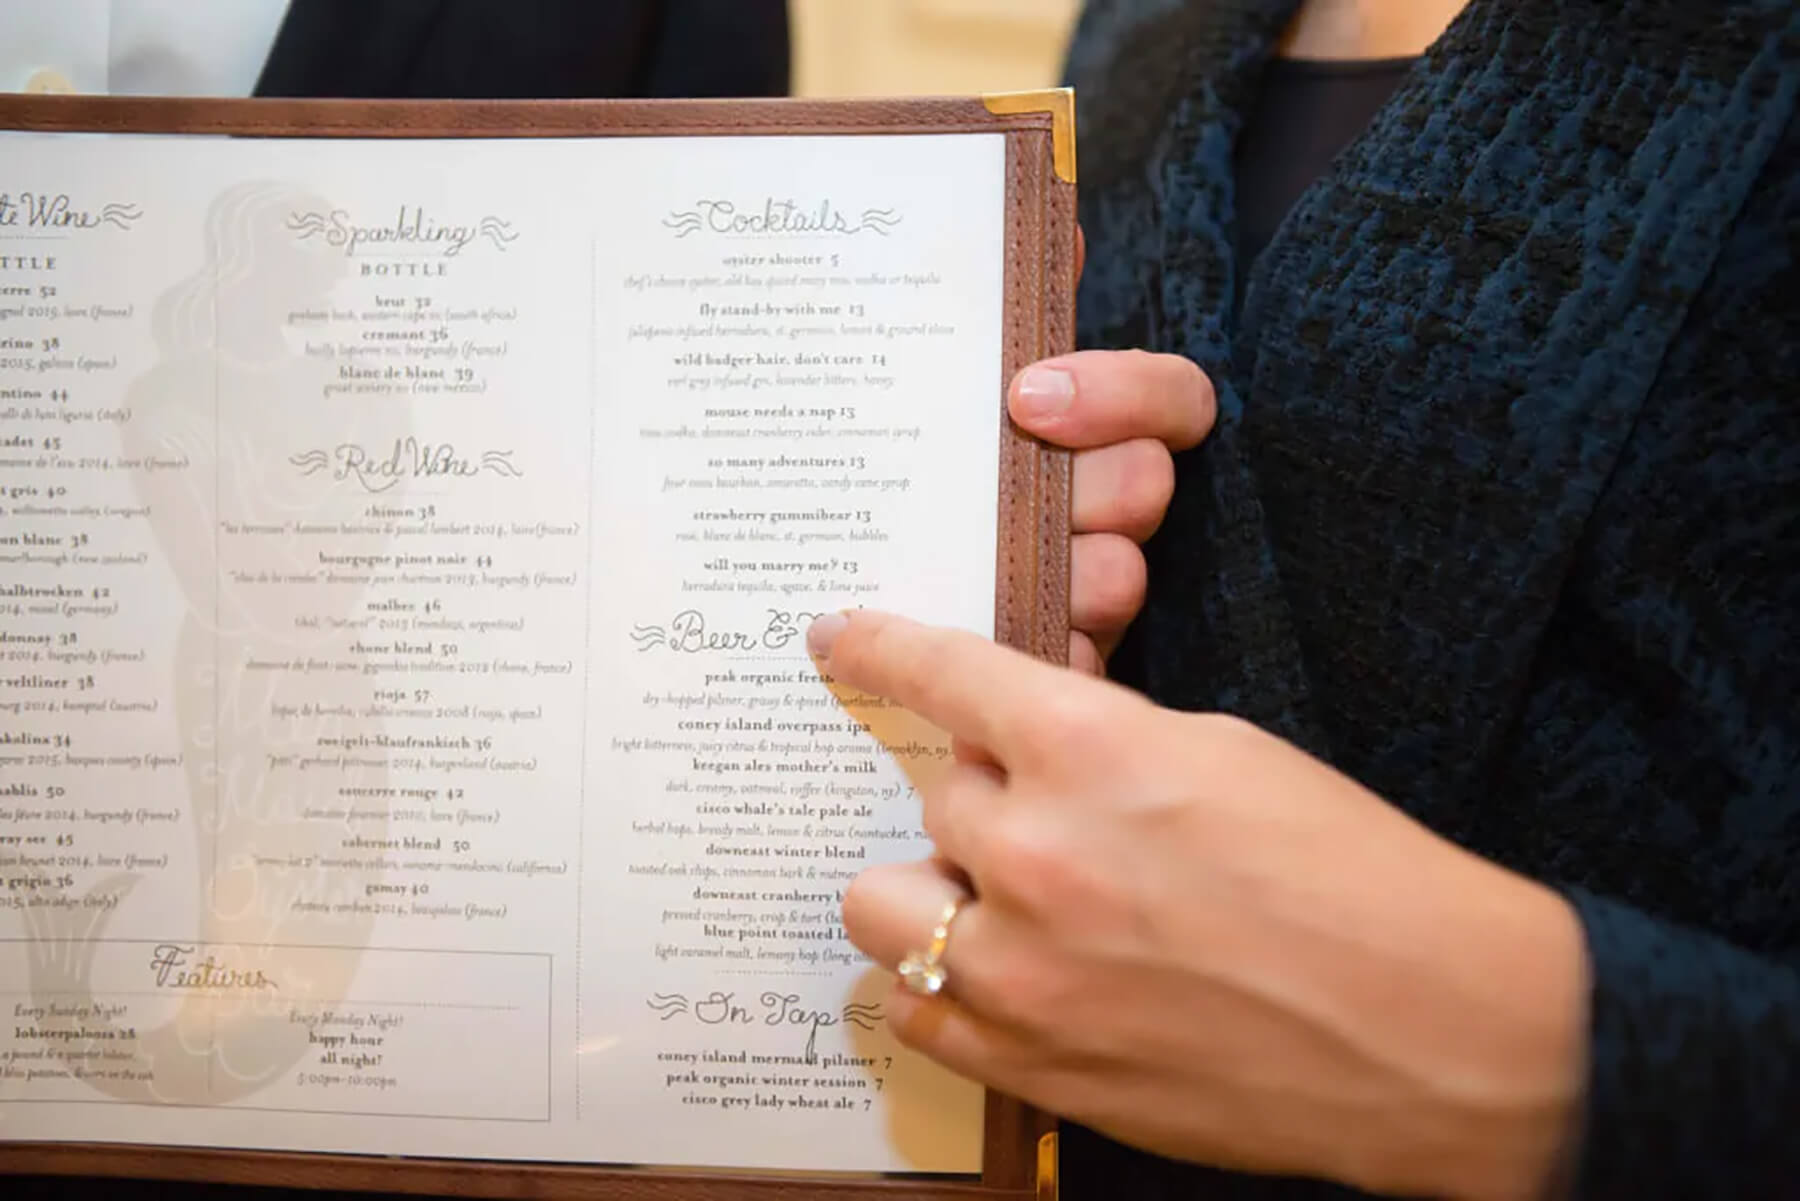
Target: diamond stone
x=921, y=975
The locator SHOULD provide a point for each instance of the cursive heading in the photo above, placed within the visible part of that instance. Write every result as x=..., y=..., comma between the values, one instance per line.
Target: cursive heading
x=409, y=458
x=42, y=210
x=773, y=216
x=412, y=227
x=172, y=966
x=688, y=633
x=771, y=1009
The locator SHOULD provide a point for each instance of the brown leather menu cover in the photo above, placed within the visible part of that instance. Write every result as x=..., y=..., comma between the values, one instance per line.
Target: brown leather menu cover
x=96, y=469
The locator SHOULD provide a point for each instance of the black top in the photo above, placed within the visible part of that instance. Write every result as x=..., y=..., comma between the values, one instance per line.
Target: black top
x=1306, y=111
x=541, y=50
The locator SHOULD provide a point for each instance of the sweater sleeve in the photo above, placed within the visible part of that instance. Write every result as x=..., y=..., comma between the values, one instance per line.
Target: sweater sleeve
x=1694, y=1058
x=1694, y=1065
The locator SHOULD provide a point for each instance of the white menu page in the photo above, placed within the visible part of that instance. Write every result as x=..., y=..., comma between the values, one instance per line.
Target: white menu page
x=407, y=740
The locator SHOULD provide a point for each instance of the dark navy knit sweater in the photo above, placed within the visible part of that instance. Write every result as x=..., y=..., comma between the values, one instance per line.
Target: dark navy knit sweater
x=1502, y=515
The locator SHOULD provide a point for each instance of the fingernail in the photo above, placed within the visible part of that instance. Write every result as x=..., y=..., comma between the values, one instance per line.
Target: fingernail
x=823, y=632
x=1045, y=392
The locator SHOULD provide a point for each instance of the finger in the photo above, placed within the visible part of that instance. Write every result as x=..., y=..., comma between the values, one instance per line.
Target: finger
x=1098, y=397
x=1032, y=1068
x=1080, y=252
x=1084, y=656
x=890, y=909
x=957, y=807
x=1021, y=710
x=1107, y=579
x=1124, y=489
x=975, y=1048
x=890, y=913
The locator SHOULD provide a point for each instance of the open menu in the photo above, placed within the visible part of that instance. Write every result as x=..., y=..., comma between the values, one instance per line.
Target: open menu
x=407, y=740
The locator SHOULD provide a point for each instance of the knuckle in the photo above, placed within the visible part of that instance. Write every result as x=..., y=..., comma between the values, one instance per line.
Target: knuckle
x=1209, y=400
x=927, y=666
x=855, y=650
x=1068, y=719
x=1028, y=862
x=1194, y=393
x=1191, y=375
x=912, y=1027
x=934, y=819
x=1112, y=585
x=1050, y=995
x=1138, y=359
x=1124, y=488
x=1225, y=737
x=858, y=909
x=1229, y=730
x=941, y=813
x=1084, y=654
x=1022, y=990
x=1134, y=374
x=885, y=656
x=1128, y=584
x=1151, y=481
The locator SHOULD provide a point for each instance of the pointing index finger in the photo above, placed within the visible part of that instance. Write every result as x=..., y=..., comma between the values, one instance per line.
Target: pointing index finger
x=966, y=685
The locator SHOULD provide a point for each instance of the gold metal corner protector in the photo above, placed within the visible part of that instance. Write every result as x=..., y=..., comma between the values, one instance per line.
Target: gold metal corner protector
x=1060, y=104
x=1047, y=1160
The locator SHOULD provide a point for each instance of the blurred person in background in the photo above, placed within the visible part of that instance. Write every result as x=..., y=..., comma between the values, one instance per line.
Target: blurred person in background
x=418, y=49
x=1458, y=855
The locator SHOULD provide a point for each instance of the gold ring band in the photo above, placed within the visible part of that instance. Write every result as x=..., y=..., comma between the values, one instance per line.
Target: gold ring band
x=923, y=971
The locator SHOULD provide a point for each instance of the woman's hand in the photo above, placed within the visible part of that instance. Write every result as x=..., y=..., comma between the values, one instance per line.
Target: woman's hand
x=1191, y=936
x=1122, y=412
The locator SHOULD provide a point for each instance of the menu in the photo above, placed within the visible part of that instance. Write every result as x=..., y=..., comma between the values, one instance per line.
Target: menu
x=407, y=740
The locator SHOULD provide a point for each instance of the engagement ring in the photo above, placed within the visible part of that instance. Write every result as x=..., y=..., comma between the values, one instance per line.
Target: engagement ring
x=923, y=971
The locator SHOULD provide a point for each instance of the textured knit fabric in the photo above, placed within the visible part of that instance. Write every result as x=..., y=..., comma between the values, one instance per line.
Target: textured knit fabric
x=1502, y=513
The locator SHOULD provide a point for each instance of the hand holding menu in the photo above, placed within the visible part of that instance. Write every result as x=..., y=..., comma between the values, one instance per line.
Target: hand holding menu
x=407, y=741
